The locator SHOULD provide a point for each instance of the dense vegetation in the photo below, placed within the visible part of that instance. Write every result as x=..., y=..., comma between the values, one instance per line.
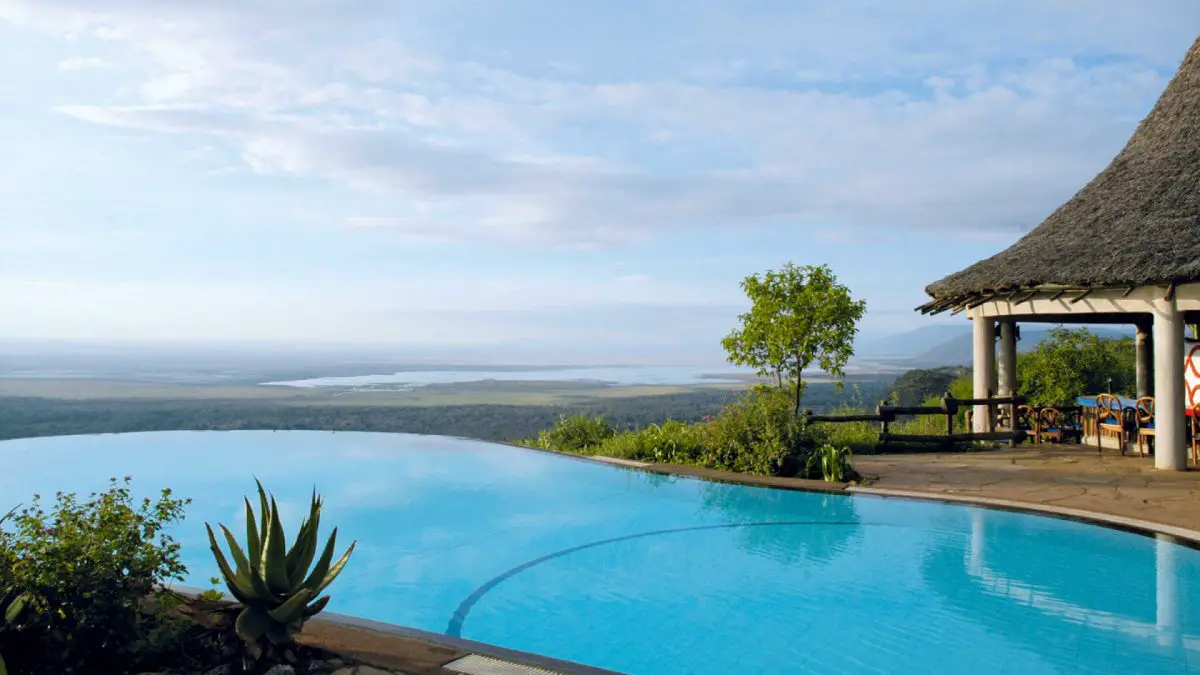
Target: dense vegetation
x=1071, y=363
x=759, y=433
x=917, y=386
x=25, y=417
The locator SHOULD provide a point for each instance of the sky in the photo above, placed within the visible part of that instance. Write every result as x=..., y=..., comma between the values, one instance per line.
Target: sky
x=585, y=177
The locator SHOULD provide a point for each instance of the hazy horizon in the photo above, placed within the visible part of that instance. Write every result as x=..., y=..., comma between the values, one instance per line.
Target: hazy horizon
x=582, y=182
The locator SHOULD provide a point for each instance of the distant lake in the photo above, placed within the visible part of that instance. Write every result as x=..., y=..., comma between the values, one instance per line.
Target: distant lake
x=607, y=375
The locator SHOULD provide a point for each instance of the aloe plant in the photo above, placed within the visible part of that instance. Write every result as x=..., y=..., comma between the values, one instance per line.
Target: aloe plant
x=273, y=582
x=835, y=463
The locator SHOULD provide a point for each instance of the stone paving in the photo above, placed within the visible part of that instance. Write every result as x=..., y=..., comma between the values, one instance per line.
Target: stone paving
x=1064, y=476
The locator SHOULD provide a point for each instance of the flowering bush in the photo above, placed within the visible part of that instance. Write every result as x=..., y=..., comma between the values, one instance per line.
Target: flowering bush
x=86, y=569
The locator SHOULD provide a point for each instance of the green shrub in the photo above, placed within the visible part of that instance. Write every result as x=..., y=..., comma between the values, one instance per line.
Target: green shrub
x=863, y=436
x=927, y=425
x=577, y=433
x=672, y=443
x=87, y=567
x=760, y=433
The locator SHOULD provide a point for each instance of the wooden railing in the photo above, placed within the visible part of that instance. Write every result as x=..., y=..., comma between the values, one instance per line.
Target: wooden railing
x=885, y=415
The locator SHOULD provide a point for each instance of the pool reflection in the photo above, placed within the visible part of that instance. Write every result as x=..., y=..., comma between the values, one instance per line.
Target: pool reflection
x=1117, y=605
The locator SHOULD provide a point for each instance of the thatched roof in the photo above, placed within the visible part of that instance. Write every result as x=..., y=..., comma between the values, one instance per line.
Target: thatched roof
x=1136, y=223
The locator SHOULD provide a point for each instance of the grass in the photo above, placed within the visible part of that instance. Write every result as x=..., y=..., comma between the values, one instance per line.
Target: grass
x=863, y=437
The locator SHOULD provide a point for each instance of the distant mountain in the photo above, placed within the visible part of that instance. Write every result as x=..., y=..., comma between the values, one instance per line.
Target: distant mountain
x=950, y=344
x=958, y=349
x=912, y=343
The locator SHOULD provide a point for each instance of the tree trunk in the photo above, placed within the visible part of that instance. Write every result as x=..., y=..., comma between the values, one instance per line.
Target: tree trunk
x=799, y=377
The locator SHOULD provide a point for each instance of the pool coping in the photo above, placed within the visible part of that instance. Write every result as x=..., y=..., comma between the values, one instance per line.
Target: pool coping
x=463, y=644
x=401, y=632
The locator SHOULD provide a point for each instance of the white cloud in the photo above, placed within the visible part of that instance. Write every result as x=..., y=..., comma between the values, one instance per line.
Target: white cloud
x=467, y=148
x=83, y=63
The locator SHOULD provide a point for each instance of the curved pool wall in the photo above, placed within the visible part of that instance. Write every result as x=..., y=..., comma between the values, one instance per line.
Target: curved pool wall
x=643, y=573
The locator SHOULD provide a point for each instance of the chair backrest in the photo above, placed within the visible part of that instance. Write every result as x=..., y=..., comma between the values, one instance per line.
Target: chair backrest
x=1196, y=421
x=1108, y=408
x=1050, y=418
x=1026, y=417
x=1144, y=409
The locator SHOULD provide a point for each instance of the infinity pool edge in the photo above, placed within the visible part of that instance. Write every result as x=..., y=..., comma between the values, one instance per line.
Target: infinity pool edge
x=1180, y=535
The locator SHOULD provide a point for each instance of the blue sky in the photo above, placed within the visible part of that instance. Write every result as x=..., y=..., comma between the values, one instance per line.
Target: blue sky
x=587, y=177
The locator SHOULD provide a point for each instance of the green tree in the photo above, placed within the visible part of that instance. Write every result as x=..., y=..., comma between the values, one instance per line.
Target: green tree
x=1072, y=363
x=799, y=315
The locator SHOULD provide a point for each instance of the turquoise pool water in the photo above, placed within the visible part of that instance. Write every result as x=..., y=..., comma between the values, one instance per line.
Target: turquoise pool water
x=646, y=575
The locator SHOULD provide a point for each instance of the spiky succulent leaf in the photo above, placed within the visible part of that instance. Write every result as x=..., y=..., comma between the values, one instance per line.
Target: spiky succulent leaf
x=316, y=607
x=238, y=584
x=264, y=515
x=251, y=532
x=322, y=568
x=276, y=562
x=310, y=545
x=263, y=596
x=252, y=623
x=337, y=568
x=239, y=556
x=307, y=531
x=293, y=608
x=279, y=634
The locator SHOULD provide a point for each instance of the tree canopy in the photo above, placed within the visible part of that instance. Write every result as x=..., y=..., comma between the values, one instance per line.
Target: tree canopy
x=1071, y=363
x=799, y=316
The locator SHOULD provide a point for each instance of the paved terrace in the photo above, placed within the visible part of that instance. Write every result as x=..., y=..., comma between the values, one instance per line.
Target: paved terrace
x=1063, y=477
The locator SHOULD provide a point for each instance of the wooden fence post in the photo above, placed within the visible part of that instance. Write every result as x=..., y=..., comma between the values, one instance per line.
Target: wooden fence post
x=951, y=408
x=883, y=421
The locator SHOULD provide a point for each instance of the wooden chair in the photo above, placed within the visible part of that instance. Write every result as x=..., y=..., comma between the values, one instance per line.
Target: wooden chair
x=1144, y=417
x=1196, y=434
x=1072, y=423
x=1110, y=421
x=1027, y=421
x=1050, y=424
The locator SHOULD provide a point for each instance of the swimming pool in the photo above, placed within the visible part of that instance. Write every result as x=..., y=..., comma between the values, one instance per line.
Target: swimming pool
x=648, y=574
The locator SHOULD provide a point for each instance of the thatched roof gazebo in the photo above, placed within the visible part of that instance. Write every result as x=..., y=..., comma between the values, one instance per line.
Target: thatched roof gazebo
x=1124, y=249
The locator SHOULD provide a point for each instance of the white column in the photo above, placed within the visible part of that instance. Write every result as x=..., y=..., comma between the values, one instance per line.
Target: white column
x=1144, y=361
x=984, y=369
x=1170, y=441
x=1007, y=364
